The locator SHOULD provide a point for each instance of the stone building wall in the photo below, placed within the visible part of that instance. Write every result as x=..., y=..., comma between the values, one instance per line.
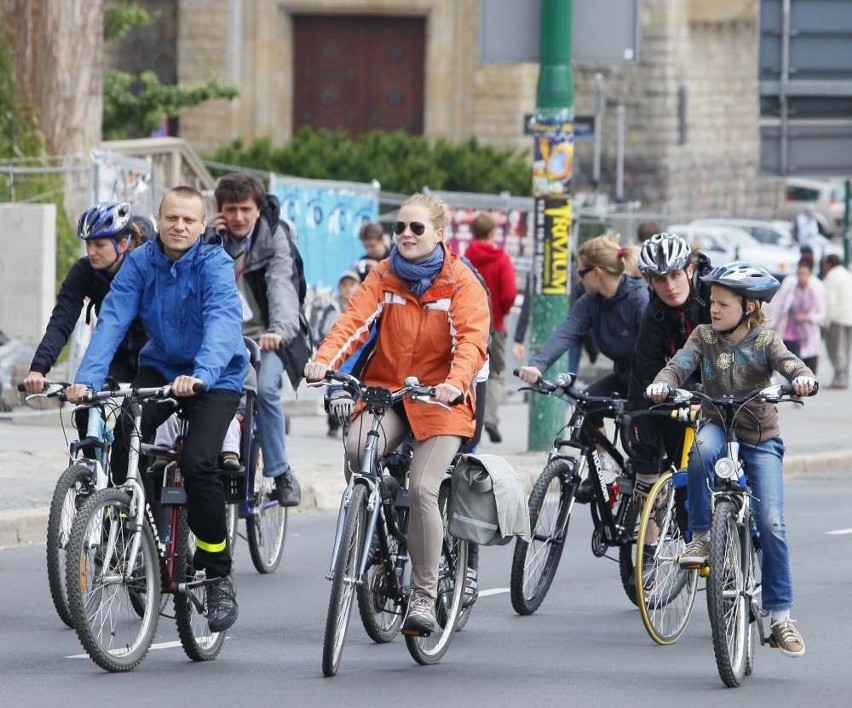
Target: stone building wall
x=705, y=49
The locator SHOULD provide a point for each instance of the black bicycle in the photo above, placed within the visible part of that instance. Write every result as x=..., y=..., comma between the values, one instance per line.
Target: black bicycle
x=370, y=554
x=734, y=579
x=613, y=507
x=124, y=553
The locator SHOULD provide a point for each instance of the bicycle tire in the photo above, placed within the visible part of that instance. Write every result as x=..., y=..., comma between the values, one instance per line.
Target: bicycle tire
x=198, y=642
x=755, y=585
x=665, y=592
x=74, y=486
x=627, y=551
x=726, y=600
x=381, y=613
x=343, y=580
x=550, y=511
x=266, y=526
x=232, y=521
x=107, y=624
x=452, y=570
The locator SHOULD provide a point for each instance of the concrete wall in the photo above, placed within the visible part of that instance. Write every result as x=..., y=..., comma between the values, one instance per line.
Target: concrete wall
x=28, y=270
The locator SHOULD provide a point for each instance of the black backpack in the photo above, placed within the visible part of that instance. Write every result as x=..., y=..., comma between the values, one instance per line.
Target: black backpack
x=299, y=281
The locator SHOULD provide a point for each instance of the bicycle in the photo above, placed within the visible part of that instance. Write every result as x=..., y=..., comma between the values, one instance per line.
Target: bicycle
x=370, y=553
x=665, y=592
x=250, y=495
x=119, y=563
x=613, y=508
x=734, y=579
x=82, y=477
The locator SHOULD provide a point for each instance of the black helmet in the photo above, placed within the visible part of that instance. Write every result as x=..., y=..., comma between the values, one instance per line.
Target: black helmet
x=746, y=279
x=663, y=254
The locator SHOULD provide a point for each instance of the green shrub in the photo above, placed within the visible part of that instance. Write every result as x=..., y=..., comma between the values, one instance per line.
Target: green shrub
x=400, y=162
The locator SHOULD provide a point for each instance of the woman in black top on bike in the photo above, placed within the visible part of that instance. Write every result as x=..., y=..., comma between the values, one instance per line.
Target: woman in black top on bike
x=679, y=302
x=110, y=233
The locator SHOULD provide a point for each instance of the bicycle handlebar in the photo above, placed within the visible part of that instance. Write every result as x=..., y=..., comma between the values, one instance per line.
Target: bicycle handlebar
x=411, y=388
x=57, y=390
x=563, y=388
x=776, y=393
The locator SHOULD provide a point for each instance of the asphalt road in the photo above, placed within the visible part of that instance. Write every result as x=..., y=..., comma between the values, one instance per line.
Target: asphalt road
x=585, y=646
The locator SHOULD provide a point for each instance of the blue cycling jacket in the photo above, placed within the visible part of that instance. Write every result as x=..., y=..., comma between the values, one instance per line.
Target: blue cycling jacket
x=190, y=309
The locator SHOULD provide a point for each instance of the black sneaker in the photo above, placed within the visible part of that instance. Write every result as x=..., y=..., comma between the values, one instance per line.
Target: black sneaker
x=222, y=608
x=585, y=492
x=493, y=433
x=287, y=489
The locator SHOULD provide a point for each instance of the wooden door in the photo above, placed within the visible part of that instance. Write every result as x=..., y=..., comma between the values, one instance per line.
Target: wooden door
x=358, y=72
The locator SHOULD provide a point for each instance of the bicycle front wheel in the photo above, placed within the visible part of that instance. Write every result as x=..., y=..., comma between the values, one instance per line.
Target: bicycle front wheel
x=266, y=525
x=727, y=601
x=535, y=562
x=115, y=612
x=665, y=592
x=199, y=643
x=344, y=578
x=452, y=570
x=74, y=486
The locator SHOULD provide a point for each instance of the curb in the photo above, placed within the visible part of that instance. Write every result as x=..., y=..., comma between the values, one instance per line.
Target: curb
x=28, y=526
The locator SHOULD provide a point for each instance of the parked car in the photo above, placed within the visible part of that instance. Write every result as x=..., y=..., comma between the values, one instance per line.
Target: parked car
x=777, y=233
x=723, y=244
x=827, y=196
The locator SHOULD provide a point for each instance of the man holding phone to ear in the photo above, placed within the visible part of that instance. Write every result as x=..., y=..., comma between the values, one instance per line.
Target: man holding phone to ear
x=247, y=219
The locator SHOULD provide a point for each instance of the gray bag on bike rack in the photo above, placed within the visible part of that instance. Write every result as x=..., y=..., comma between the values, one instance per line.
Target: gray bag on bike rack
x=487, y=502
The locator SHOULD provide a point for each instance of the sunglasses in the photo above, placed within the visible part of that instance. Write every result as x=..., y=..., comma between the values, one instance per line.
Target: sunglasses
x=582, y=272
x=417, y=228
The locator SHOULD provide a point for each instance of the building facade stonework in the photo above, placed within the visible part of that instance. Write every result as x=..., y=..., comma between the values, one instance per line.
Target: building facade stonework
x=691, y=99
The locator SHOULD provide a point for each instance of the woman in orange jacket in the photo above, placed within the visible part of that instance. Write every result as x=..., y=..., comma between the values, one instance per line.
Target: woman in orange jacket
x=433, y=322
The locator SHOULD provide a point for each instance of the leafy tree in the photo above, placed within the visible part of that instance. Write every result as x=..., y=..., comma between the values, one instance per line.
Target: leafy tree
x=137, y=104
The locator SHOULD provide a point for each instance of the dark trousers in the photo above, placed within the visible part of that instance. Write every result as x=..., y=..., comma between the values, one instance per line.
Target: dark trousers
x=208, y=416
x=470, y=444
x=609, y=385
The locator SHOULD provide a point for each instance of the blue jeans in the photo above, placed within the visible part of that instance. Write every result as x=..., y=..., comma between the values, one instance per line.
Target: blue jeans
x=764, y=465
x=270, y=416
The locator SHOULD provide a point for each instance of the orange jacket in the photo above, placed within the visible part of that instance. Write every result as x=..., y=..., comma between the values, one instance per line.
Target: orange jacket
x=440, y=337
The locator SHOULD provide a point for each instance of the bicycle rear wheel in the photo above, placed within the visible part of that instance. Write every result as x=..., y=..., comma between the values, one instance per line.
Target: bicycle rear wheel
x=101, y=594
x=74, y=486
x=266, y=525
x=627, y=562
x=232, y=520
x=199, y=643
x=665, y=591
x=344, y=579
x=381, y=611
x=726, y=594
x=452, y=570
x=535, y=562
x=755, y=585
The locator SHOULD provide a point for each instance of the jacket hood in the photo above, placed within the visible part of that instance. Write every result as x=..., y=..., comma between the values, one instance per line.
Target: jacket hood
x=626, y=288
x=482, y=252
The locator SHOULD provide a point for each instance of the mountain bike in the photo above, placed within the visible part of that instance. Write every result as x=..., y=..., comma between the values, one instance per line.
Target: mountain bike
x=87, y=472
x=250, y=495
x=665, y=592
x=124, y=552
x=370, y=552
x=734, y=580
x=613, y=508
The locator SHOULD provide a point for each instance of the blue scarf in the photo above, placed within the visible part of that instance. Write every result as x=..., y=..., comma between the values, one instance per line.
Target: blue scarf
x=420, y=275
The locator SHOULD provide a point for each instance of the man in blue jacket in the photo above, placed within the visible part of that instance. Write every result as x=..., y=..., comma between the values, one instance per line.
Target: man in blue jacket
x=184, y=293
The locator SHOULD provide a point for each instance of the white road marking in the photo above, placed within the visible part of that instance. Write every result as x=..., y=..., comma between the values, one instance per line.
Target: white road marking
x=492, y=591
x=839, y=532
x=159, y=645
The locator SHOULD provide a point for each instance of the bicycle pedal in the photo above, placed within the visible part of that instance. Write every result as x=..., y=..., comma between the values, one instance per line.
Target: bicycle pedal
x=416, y=633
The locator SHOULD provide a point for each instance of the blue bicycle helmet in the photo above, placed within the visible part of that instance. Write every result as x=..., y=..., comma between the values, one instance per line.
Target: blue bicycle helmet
x=104, y=220
x=746, y=279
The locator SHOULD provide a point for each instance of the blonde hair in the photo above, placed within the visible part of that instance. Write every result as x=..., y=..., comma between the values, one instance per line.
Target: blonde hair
x=605, y=252
x=758, y=316
x=439, y=213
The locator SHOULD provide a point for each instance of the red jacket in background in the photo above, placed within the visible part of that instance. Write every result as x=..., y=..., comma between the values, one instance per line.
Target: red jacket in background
x=497, y=271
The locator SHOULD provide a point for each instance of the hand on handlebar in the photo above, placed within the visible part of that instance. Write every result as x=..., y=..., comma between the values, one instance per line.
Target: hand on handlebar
x=658, y=392
x=529, y=374
x=340, y=405
x=447, y=393
x=35, y=382
x=76, y=392
x=315, y=371
x=804, y=385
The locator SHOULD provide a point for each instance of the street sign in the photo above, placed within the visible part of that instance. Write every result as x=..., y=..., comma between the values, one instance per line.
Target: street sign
x=602, y=31
x=584, y=126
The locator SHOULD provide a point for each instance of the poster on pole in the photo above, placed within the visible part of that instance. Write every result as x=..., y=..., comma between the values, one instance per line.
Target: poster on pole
x=552, y=245
x=553, y=152
x=328, y=218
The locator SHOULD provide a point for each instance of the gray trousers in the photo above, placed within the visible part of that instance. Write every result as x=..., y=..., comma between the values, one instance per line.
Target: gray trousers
x=496, y=378
x=431, y=459
x=838, y=341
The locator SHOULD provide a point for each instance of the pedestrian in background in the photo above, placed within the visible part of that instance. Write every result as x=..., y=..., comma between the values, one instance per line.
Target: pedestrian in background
x=376, y=248
x=800, y=312
x=493, y=264
x=838, y=318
